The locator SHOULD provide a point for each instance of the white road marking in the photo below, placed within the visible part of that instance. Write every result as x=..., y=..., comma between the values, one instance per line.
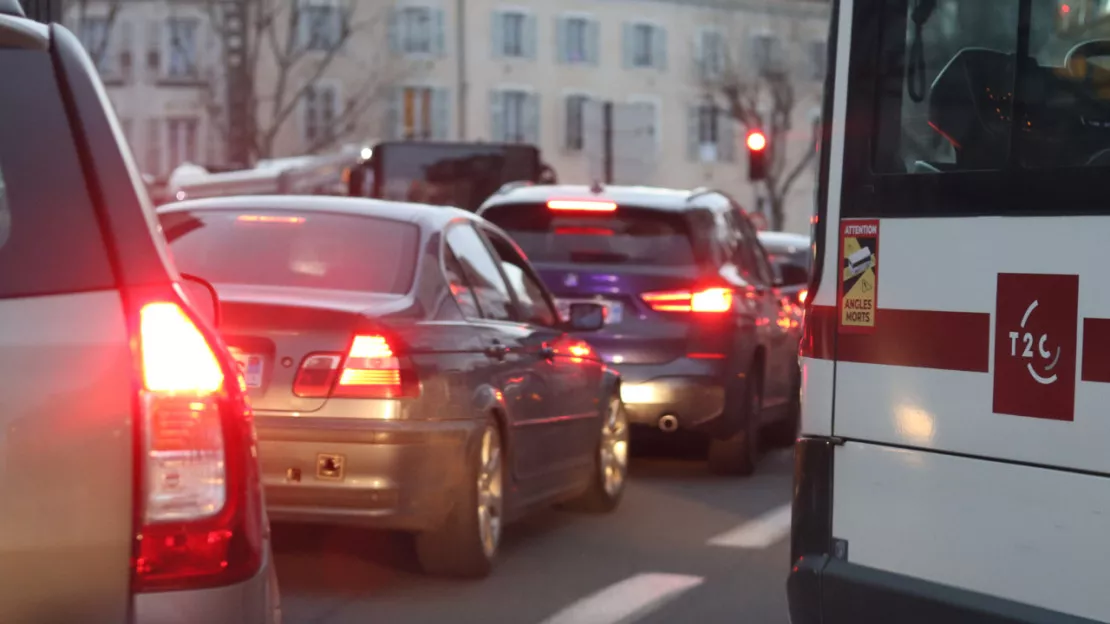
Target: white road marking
x=627, y=600
x=758, y=533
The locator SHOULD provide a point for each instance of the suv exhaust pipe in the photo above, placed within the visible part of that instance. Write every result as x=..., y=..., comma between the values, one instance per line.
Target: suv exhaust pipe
x=668, y=423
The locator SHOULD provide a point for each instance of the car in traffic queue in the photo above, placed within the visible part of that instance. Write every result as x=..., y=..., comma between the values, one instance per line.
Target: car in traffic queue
x=791, y=258
x=129, y=491
x=693, y=323
x=408, y=369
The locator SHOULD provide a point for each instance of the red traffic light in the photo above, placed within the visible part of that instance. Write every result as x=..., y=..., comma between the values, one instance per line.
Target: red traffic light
x=756, y=141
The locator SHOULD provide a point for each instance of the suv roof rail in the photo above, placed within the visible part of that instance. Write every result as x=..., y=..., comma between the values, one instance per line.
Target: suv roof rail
x=506, y=187
x=702, y=190
x=11, y=7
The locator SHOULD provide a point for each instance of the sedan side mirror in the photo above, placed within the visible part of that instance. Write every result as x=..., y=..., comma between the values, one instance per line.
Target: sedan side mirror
x=202, y=297
x=586, y=316
x=776, y=276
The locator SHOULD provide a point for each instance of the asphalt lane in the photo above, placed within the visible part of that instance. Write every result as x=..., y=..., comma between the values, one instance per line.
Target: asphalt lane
x=653, y=560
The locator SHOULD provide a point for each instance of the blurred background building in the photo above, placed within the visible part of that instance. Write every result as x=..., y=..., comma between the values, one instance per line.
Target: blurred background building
x=225, y=83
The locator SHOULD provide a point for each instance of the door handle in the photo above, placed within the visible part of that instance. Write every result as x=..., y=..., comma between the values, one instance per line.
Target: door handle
x=497, y=351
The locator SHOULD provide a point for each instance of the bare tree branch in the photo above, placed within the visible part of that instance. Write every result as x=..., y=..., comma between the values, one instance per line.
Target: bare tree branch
x=764, y=99
x=100, y=47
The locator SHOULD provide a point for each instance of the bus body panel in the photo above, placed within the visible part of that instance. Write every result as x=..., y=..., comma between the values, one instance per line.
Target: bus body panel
x=929, y=480
x=1027, y=534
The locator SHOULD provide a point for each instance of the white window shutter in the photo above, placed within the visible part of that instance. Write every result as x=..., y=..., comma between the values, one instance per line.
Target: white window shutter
x=562, y=41
x=497, y=32
x=726, y=136
x=394, y=28
x=531, y=33
x=497, y=116
x=439, y=33
x=568, y=134
x=626, y=44
x=304, y=25
x=532, y=119
x=593, y=41
x=393, y=113
x=441, y=114
x=693, y=140
x=659, y=43
x=154, y=53
x=700, y=53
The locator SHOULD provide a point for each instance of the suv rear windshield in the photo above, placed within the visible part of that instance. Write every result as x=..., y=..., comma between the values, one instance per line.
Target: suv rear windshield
x=627, y=236
x=307, y=250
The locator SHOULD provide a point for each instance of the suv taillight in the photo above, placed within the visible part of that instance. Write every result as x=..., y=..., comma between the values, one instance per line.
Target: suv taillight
x=710, y=300
x=199, y=506
x=370, y=370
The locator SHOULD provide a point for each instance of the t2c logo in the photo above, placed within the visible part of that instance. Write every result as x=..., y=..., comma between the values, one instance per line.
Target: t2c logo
x=1036, y=322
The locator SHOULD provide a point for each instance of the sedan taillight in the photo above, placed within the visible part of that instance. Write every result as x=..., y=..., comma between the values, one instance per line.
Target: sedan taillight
x=370, y=370
x=710, y=300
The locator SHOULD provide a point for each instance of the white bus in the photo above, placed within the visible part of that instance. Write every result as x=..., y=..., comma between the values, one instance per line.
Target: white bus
x=954, y=457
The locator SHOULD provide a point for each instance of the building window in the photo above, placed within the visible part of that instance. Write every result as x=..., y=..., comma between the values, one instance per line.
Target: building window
x=515, y=116
x=577, y=31
x=182, y=58
x=416, y=30
x=181, y=140
x=516, y=113
x=643, y=48
x=576, y=109
x=818, y=51
x=512, y=33
x=320, y=24
x=416, y=113
x=93, y=33
x=712, y=54
x=712, y=134
x=321, y=108
x=766, y=52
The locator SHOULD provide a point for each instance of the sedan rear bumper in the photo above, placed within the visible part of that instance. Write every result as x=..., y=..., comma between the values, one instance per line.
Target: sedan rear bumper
x=400, y=475
x=693, y=391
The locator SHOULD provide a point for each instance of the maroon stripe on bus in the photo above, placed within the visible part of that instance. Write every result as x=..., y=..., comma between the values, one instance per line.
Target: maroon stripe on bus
x=957, y=341
x=1096, y=354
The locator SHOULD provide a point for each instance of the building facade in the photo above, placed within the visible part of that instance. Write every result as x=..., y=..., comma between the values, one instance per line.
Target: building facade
x=350, y=71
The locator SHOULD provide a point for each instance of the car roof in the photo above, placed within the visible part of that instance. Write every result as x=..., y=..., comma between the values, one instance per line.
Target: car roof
x=16, y=31
x=784, y=240
x=426, y=215
x=650, y=197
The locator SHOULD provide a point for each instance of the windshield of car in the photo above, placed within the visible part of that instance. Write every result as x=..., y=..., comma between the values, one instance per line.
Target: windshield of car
x=629, y=235
x=299, y=249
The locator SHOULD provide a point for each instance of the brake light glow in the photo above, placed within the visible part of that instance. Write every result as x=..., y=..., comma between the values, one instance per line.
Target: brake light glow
x=582, y=205
x=802, y=294
x=317, y=375
x=270, y=219
x=583, y=231
x=710, y=300
x=198, y=506
x=373, y=370
x=176, y=358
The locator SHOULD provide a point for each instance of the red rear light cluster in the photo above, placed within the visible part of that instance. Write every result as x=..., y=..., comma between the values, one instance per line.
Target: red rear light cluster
x=370, y=370
x=709, y=301
x=198, y=496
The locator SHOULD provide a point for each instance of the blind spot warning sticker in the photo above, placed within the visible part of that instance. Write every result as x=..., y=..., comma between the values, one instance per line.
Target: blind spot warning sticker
x=859, y=274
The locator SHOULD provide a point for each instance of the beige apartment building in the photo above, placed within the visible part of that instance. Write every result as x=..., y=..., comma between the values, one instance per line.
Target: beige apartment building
x=518, y=70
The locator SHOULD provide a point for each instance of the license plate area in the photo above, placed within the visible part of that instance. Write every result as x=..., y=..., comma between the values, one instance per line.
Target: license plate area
x=330, y=466
x=614, y=310
x=251, y=366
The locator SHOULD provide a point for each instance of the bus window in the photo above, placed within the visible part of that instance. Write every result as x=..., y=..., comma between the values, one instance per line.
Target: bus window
x=946, y=85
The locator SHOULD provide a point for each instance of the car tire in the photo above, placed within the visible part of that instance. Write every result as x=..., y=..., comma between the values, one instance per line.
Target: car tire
x=738, y=454
x=783, y=432
x=610, y=472
x=466, y=545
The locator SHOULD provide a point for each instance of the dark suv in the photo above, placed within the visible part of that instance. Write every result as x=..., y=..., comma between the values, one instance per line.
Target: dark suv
x=694, y=322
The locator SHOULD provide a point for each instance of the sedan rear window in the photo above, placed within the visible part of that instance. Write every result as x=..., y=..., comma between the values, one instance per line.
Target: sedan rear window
x=307, y=250
x=628, y=235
